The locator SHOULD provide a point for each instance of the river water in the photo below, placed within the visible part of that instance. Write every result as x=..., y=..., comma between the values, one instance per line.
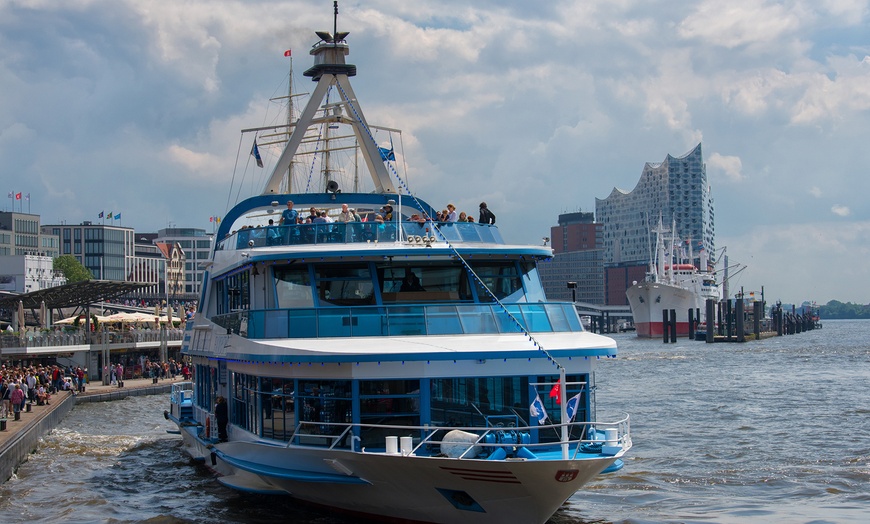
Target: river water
x=770, y=431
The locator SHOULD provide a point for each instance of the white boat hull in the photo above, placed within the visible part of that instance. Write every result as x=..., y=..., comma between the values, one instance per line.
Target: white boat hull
x=649, y=299
x=444, y=490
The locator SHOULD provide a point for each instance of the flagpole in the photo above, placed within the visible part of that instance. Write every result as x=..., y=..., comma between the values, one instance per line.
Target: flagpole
x=564, y=410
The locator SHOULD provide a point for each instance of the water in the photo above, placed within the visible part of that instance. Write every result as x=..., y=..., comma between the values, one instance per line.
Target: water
x=772, y=431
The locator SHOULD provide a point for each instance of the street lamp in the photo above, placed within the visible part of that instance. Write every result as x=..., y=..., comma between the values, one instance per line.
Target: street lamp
x=573, y=287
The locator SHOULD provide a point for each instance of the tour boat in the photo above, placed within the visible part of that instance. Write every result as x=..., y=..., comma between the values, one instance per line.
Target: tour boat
x=407, y=369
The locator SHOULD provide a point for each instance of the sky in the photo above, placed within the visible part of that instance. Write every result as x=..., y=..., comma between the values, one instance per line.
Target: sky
x=136, y=107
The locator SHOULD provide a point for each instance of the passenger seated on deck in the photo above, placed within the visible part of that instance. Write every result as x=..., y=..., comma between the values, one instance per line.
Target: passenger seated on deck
x=411, y=282
x=42, y=396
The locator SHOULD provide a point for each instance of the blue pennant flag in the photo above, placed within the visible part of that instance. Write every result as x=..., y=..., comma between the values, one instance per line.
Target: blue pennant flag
x=387, y=154
x=256, y=152
x=537, y=411
x=571, y=407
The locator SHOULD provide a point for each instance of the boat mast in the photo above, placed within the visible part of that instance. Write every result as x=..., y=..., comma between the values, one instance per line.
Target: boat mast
x=289, y=172
x=329, y=70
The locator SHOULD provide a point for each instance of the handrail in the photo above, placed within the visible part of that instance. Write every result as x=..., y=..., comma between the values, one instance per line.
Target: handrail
x=397, y=319
x=360, y=232
x=428, y=434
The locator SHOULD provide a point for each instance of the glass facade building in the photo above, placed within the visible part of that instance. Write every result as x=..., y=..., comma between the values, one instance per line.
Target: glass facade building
x=675, y=189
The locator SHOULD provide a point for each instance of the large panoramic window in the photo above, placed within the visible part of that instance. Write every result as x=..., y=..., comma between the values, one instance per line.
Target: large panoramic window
x=344, y=284
x=500, y=280
x=293, y=287
x=423, y=282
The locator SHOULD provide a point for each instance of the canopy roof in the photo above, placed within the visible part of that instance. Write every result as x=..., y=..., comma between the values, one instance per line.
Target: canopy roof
x=70, y=295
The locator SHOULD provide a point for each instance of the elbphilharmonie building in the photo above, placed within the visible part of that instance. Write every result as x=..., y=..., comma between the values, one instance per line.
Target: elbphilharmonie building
x=675, y=189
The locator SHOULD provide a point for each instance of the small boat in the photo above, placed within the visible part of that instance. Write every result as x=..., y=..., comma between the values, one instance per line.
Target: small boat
x=404, y=369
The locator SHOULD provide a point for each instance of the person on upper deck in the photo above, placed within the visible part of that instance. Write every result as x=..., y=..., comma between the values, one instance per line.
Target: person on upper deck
x=345, y=215
x=486, y=216
x=451, y=213
x=289, y=215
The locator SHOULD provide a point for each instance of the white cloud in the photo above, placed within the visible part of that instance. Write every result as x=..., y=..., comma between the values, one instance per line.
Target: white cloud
x=739, y=22
x=730, y=166
x=815, y=191
x=839, y=210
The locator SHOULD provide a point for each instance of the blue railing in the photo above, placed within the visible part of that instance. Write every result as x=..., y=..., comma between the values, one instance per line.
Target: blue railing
x=355, y=232
x=398, y=320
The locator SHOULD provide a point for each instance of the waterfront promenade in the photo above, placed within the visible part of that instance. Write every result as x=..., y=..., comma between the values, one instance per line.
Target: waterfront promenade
x=21, y=437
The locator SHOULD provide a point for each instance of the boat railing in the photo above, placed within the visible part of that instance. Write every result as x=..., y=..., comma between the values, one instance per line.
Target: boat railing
x=494, y=443
x=360, y=232
x=399, y=320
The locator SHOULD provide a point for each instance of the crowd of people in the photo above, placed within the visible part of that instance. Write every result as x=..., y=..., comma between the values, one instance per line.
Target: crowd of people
x=35, y=384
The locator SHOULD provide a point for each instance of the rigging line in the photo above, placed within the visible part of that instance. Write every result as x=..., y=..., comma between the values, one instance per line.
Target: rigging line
x=235, y=169
x=314, y=158
x=452, y=248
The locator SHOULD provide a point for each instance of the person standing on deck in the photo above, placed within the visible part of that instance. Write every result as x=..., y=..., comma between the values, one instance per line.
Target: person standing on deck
x=222, y=417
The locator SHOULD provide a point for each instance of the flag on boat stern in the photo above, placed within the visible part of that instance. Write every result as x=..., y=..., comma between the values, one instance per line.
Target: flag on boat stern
x=554, y=393
x=537, y=410
x=571, y=407
x=255, y=151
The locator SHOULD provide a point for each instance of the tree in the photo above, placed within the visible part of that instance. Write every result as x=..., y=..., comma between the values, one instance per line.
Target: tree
x=72, y=269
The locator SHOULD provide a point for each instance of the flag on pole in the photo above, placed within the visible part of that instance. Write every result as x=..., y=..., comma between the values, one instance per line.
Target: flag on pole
x=537, y=411
x=555, y=392
x=11, y=194
x=255, y=151
x=18, y=196
x=287, y=53
x=27, y=197
x=571, y=407
x=118, y=216
x=211, y=219
x=101, y=215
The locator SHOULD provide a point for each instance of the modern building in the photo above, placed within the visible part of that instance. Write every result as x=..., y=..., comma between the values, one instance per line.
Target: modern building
x=105, y=250
x=28, y=273
x=576, y=269
x=675, y=190
x=196, y=245
x=21, y=234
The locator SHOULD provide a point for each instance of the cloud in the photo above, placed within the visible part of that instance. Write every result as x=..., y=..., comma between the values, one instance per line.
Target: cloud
x=815, y=191
x=839, y=210
x=739, y=22
x=729, y=166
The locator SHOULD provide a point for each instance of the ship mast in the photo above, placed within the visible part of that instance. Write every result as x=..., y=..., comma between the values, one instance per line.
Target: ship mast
x=329, y=70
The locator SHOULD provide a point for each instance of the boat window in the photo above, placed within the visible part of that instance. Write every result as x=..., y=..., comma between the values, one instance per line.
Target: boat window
x=324, y=402
x=344, y=284
x=239, y=291
x=501, y=279
x=387, y=402
x=532, y=282
x=422, y=282
x=278, y=407
x=293, y=287
x=497, y=400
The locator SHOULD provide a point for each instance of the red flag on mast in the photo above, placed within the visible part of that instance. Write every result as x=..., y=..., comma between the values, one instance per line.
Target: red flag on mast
x=555, y=392
x=287, y=52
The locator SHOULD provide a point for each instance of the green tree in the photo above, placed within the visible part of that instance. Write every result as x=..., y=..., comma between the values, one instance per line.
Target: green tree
x=72, y=269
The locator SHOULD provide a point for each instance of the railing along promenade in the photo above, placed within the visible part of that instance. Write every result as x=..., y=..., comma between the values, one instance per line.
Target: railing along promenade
x=80, y=338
